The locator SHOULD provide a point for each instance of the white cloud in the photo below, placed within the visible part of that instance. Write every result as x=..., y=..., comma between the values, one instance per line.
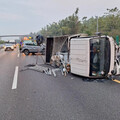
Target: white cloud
x=10, y=16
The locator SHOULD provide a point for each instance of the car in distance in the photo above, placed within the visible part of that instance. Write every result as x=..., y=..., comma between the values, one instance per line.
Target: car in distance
x=8, y=47
x=1, y=46
x=33, y=48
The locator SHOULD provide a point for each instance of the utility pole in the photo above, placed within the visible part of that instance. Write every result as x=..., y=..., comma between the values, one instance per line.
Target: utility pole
x=97, y=24
x=61, y=31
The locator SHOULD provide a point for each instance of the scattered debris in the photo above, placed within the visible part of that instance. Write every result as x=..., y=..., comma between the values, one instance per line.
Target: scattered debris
x=93, y=80
x=54, y=71
x=42, y=69
x=87, y=80
x=56, y=60
x=30, y=65
x=59, y=61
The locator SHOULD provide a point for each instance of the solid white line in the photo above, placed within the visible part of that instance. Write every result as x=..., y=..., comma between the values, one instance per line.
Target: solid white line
x=18, y=50
x=14, y=85
x=18, y=54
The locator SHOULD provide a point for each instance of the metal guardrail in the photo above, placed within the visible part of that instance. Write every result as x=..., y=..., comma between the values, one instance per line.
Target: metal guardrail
x=13, y=35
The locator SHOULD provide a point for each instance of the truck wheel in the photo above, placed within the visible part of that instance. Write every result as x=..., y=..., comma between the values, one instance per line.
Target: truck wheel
x=26, y=52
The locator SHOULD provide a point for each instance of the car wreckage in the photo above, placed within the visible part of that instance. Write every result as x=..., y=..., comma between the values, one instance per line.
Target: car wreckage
x=88, y=56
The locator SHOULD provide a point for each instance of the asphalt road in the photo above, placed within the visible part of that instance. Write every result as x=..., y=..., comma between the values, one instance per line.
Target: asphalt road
x=37, y=96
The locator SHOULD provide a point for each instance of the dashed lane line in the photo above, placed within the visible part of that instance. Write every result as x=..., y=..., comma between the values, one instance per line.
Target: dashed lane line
x=18, y=54
x=15, y=79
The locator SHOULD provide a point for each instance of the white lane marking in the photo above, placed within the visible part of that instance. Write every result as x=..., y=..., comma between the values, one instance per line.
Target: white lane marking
x=2, y=50
x=18, y=49
x=18, y=54
x=14, y=85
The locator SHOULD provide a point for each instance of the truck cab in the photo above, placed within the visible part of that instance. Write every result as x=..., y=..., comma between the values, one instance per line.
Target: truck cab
x=92, y=56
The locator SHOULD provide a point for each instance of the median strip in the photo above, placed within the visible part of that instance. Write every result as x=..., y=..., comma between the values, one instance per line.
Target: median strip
x=14, y=85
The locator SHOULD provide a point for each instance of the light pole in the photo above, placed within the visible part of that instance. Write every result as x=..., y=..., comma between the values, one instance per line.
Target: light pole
x=61, y=31
x=97, y=24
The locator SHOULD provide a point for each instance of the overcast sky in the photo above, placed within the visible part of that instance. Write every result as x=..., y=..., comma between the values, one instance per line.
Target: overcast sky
x=25, y=16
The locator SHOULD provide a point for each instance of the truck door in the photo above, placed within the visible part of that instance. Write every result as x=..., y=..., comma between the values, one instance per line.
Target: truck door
x=99, y=56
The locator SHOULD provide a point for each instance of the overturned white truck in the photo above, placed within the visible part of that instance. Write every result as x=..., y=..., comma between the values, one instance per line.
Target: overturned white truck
x=93, y=57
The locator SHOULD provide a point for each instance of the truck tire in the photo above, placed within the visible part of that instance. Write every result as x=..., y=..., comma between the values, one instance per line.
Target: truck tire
x=26, y=52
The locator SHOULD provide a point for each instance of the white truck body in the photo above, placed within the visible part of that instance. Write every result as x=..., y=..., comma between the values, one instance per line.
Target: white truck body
x=81, y=56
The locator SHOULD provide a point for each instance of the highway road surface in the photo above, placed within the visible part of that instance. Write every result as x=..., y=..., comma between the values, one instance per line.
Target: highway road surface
x=31, y=95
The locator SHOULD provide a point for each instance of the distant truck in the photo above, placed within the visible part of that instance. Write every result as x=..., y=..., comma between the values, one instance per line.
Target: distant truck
x=93, y=57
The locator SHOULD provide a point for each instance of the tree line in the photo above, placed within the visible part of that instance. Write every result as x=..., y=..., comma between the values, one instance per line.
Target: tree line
x=108, y=24
x=1, y=41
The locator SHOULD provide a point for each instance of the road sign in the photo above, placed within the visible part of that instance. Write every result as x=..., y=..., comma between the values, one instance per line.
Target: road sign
x=117, y=40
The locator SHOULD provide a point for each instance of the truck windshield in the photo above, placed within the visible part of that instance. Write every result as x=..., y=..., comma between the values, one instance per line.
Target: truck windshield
x=99, y=56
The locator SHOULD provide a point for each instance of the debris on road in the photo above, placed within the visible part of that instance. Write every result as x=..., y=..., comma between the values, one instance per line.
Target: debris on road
x=54, y=71
x=42, y=69
x=30, y=65
x=80, y=55
x=93, y=80
x=57, y=53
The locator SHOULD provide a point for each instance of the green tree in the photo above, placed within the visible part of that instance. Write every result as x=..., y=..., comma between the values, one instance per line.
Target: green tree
x=2, y=42
x=109, y=24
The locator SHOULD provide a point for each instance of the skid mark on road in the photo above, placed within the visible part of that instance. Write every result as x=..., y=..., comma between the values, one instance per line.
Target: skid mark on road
x=15, y=79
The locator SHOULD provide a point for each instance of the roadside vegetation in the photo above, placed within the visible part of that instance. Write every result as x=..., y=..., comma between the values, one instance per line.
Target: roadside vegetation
x=2, y=42
x=109, y=24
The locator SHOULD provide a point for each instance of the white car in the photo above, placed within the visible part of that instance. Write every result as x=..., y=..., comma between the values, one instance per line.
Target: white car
x=8, y=47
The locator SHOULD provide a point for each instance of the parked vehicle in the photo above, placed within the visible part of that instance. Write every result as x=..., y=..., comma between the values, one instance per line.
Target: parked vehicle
x=93, y=56
x=32, y=47
x=13, y=42
x=22, y=43
x=8, y=47
x=1, y=46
